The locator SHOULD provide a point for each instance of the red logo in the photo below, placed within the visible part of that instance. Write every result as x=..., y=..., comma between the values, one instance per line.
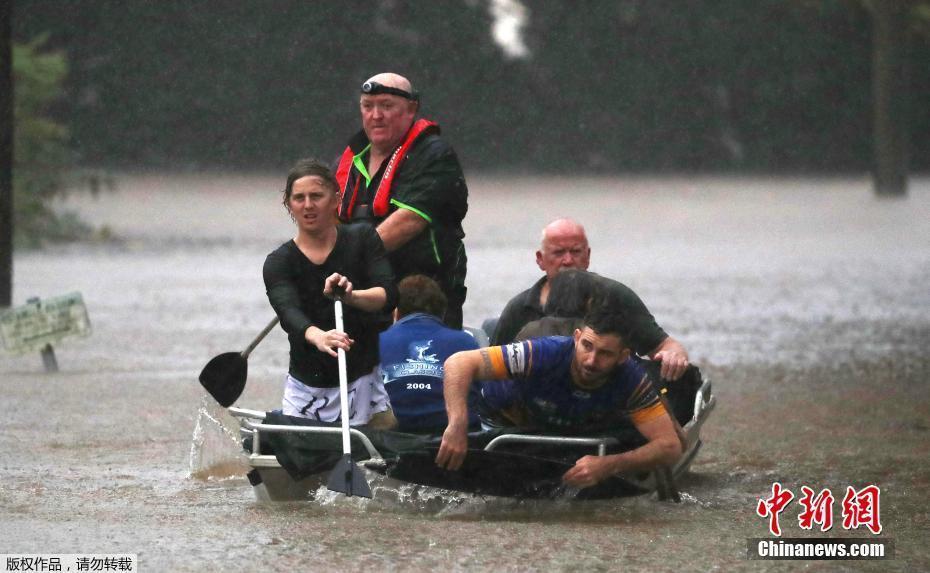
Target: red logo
x=859, y=508
x=816, y=509
x=773, y=506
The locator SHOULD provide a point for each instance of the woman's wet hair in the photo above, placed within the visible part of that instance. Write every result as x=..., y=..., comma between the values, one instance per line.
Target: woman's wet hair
x=419, y=293
x=308, y=167
x=573, y=293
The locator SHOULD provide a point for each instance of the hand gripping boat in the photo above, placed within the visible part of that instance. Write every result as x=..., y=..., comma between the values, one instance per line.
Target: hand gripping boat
x=291, y=458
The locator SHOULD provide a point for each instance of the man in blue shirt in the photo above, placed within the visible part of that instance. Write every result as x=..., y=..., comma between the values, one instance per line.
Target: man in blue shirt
x=413, y=351
x=579, y=384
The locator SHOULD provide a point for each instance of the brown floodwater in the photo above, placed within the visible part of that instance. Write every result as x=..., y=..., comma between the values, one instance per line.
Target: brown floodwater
x=806, y=301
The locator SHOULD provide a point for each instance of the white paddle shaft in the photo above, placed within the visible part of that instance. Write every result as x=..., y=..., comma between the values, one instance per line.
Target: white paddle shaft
x=343, y=385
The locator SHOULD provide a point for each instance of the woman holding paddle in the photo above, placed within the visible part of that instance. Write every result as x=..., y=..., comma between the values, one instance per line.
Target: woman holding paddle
x=302, y=277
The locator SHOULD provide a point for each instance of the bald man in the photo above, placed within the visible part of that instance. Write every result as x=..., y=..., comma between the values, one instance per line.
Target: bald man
x=564, y=245
x=398, y=174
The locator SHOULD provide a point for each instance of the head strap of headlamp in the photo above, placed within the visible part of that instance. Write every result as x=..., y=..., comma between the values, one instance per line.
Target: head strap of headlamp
x=374, y=88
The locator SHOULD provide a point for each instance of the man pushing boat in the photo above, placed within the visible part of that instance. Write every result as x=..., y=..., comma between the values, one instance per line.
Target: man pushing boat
x=586, y=383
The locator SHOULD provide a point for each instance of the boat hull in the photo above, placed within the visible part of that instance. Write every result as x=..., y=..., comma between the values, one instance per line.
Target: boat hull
x=290, y=459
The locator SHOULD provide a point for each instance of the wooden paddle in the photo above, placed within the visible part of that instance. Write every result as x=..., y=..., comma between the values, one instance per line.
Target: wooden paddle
x=346, y=476
x=224, y=376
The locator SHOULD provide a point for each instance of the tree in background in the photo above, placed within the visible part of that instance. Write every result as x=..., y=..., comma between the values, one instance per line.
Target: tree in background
x=41, y=154
x=6, y=156
x=620, y=86
x=889, y=91
x=891, y=31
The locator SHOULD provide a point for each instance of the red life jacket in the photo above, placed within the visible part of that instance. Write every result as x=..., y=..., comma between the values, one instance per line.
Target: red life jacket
x=382, y=201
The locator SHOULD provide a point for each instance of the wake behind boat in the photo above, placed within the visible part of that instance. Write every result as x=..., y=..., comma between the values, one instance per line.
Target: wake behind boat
x=290, y=458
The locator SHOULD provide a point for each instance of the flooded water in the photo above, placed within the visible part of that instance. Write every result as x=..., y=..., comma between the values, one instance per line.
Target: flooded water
x=805, y=301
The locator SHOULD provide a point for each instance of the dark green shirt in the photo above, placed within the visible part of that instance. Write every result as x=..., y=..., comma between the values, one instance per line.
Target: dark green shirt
x=645, y=333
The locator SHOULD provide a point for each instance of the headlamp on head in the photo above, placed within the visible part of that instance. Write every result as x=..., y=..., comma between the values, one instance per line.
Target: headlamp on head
x=374, y=88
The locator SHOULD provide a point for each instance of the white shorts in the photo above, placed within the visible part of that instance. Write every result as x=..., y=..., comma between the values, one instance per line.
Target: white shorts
x=367, y=397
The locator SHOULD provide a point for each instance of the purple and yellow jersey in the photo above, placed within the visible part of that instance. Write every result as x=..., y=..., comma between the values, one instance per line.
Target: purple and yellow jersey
x=543, y=391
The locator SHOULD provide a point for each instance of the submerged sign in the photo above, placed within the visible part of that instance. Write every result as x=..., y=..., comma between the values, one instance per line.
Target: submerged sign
x=33, y=326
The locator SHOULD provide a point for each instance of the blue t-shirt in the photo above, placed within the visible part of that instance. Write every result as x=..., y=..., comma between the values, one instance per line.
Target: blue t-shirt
x=542, y=394
x=413, y=352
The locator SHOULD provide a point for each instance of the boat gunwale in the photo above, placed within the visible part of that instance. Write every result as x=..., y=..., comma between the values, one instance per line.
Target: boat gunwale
x=704, y=402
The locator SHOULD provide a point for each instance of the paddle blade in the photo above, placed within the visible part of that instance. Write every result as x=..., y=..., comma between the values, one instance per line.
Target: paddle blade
x=347, y=478
x=224, y=377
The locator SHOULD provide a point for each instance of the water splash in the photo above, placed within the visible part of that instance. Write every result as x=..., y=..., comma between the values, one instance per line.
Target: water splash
x=216, y=453
x=392, y=496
